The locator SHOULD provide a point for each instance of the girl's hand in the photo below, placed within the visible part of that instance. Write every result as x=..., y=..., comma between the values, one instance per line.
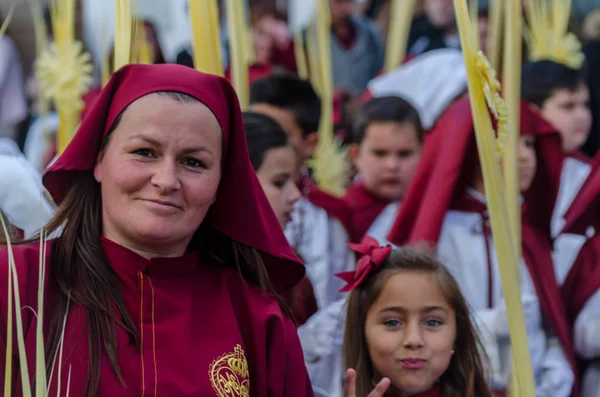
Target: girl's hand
x=350, y=388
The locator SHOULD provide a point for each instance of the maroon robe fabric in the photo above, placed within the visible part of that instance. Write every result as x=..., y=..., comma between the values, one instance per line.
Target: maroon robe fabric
x=336, y=207
x=447, y=168
x=198, y=324
x=285, y=57
x=583, y=279
x=301, y=301
x=365, y=209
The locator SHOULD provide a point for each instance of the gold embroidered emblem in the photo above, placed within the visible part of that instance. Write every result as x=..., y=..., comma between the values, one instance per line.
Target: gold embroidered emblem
x=229, y=374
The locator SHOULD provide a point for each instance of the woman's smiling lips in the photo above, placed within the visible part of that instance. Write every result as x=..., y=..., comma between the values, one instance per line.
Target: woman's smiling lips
x=162, y=203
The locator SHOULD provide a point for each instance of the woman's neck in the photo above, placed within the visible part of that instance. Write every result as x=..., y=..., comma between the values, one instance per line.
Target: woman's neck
x=147, y=252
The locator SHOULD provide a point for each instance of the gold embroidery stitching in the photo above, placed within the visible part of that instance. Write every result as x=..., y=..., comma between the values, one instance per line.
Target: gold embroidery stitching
x=229, y=374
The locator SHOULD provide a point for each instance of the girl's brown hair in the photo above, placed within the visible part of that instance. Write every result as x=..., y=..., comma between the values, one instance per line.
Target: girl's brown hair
x=465, y=376
x=80, y=272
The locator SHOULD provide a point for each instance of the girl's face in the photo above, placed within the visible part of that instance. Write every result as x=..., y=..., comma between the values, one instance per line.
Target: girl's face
x=410, y=332
x=527, y=161
x=276, y=178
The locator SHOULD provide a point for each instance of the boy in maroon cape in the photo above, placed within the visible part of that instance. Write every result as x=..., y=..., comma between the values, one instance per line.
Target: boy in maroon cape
x=445, y=207
x=164, y=279
x=387, y=140
x=581, y=289
x=562, y=97
x=429, y=83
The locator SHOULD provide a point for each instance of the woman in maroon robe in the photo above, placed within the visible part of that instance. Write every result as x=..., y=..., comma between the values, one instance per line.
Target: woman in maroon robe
x=169, y=262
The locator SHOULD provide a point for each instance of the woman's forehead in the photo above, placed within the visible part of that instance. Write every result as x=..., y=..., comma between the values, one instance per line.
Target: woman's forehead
x=157, y=117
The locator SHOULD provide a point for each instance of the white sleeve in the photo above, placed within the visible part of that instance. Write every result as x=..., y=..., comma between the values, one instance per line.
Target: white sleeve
x=587, y=329
x=322, y=338
x=558, y=378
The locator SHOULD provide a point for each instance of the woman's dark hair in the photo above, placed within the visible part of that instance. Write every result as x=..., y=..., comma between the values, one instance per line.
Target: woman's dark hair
x=81, y=274
x=262, y=134
x=385, y=109
x=540, y=80
x=465, y=376
x=289, y=92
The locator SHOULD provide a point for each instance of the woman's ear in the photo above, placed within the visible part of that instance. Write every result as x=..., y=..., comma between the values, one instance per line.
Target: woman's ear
x=98, y=167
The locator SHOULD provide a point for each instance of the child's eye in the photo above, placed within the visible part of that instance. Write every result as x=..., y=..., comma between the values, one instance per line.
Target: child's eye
x=194, y=163
x=404, y=154
x=379, y=153
x=568, y=106
x=279, y=184
x=144, y=152
x=392, y=323
x=433, y=323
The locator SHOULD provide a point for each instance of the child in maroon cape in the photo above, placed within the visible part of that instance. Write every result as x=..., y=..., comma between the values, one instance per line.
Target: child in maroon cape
x=321, y=223
x=430, y=83
x=445, y=207
x=169, y=258
x=274, y=160
x=562, y=97
x=387, y=143
x=581, y=289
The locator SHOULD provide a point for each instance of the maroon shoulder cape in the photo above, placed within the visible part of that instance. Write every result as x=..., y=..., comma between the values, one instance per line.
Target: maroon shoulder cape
x=365, y=209
x=583, y=280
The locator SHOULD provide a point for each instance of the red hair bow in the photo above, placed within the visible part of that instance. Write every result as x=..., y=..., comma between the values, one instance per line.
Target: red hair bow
x=372, y=258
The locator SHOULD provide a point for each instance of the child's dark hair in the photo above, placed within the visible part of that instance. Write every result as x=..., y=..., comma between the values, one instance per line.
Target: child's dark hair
x=465, y=376
x=290, y=92
x=385, y=109
x=540, y=80
x=262, y=134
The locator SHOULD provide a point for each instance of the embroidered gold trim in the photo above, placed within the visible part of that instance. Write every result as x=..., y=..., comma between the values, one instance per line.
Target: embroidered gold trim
x=229, y=374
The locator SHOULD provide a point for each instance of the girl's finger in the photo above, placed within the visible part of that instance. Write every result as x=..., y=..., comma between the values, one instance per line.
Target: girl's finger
x=350, y=387
x=381, y=388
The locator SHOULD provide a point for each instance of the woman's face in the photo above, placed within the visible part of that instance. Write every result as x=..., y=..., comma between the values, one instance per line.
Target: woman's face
x=276, y=178
x=159, y=174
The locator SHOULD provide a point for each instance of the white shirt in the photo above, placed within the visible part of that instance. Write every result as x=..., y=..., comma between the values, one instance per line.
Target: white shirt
x=382, y=225
x=320, y=240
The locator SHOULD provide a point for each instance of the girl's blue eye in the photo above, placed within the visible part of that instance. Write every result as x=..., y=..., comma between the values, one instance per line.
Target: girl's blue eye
x=433, y=323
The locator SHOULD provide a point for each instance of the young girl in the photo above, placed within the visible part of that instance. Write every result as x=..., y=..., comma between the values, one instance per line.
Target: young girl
x=408, y=328
x=275, y=161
